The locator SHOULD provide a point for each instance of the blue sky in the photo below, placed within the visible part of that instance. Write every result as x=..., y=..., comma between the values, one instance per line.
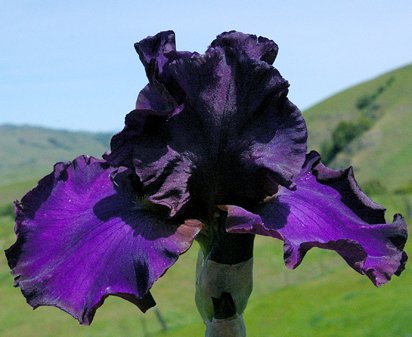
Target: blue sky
x=72, y=65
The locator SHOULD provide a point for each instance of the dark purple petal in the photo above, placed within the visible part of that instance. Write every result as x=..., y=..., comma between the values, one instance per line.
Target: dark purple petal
x=153, y=49
x=212, y=128
x=166, y=180
x=258, y=48
x=82, y=237
x=328, y=210
x=279, y=144
x=242, y=105
x=156, y=100
x=156, y=53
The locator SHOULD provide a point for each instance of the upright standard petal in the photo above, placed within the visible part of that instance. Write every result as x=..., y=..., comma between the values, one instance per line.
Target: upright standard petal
x=82, y=237
x=215, y=124
x=328, y=210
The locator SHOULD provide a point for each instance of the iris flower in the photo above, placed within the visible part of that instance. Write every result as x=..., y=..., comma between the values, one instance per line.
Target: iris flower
x=214, y=152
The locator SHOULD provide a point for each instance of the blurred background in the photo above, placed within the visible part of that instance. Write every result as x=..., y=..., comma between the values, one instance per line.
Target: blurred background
x=69, y=74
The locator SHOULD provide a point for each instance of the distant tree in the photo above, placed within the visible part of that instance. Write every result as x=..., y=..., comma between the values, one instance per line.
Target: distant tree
x=342, y=135
x=364, y=101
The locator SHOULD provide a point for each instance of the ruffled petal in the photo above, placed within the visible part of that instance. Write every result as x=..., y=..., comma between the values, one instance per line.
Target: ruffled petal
x=153, y=51
x=257, y=48
x=212, y=128
x=154, y=103
x=239, y=107
x=328, y=210
x=156, y=53
x=166, y=180
x=82, y=237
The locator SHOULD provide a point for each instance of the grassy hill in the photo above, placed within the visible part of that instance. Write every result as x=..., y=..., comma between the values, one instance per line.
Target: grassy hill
x=379, y=115
x=29, y=152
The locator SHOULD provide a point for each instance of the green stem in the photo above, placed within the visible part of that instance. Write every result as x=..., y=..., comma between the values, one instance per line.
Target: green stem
x=224, y=281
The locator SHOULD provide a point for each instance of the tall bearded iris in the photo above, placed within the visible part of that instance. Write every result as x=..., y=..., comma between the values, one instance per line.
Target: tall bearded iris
x=216, y=152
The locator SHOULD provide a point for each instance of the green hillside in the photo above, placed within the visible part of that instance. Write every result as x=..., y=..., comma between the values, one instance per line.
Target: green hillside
x=373, y=121
x=27, y=153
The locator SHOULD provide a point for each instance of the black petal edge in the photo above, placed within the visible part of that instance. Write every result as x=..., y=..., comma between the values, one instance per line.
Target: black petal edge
x=352, y=196
x=144, y=304
x=344, y=181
